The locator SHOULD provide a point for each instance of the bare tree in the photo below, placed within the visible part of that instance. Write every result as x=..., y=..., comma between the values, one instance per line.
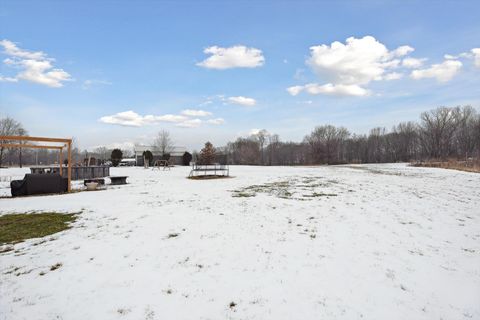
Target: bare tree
x=476, y=134
x=273, y=147
x=163, y=142
x=102, y=153
x=465, y=130
x=437, y=128
x=245, y=151
x=76, y=153
x=9, y=127
x=407, y=142
x=326, y=143
x=261, y=136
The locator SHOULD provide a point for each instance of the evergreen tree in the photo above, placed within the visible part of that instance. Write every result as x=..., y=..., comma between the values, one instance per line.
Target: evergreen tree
x=148, y=156
x=207, y=154
x=186, y=158
x=116, y=156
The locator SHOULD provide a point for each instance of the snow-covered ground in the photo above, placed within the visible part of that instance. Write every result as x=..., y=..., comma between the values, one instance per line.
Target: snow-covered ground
x=341, y=242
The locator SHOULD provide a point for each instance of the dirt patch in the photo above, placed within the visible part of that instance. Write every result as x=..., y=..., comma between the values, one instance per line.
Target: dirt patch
x=209, y=177
x=468, y=166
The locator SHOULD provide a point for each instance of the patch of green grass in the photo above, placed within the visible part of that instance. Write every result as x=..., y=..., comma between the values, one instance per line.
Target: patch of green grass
x=21, y=226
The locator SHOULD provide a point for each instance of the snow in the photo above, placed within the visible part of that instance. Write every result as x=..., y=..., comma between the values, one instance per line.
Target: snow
x=376, y=241
x=7, y=175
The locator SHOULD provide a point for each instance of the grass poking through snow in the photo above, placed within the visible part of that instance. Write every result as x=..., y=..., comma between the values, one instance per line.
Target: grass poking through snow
x=290, y=189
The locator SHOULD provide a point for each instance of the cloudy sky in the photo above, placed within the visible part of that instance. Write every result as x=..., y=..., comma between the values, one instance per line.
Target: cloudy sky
x=116, y=72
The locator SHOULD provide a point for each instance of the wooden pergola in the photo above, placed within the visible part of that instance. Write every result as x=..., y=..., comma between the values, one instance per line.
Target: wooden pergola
x=65, y=143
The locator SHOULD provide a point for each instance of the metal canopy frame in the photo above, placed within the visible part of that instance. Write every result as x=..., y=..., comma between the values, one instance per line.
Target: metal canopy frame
x=66, y=143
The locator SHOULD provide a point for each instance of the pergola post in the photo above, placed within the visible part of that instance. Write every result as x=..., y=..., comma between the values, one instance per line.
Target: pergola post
x=61, y=161
x=69, y=170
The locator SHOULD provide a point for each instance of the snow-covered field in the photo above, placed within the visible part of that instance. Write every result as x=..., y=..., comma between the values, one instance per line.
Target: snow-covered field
x=343, y=242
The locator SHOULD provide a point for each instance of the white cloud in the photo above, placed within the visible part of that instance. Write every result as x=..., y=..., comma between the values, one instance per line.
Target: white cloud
x=232, y=57
x=466, y=55
x=216, y=121
x=126, y=118
x=352, y=65
x=330, y=89
x=8, y=79
x=166, y=118
x=126, y=145
x=472, y=54
x=87, y=84
x=35, y=66
x=12, y=50
x=191, y=123
x=442, y=72
x=393, y=76
x=476, y=54
x=349, y=67
x=132, y=119
x=413, y=62
x=450, y=57
x=38, y=71
x=295, y=90
x=357, y=62
x=243, y=101
x=402, y=51
x=253, y=132
x=196, y=113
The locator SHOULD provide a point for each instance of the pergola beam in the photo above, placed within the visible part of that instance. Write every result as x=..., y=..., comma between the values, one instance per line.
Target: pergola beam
x=40, y=139
x=33, y=146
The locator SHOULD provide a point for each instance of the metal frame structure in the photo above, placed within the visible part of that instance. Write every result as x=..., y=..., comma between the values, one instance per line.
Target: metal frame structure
x=161, y=163
x=66, y=143
x=208, y=169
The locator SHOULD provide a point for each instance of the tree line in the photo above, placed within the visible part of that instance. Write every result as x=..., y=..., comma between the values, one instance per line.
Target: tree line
x=442, y=133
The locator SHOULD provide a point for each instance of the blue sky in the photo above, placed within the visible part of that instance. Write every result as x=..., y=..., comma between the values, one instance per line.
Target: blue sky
x=117, y=72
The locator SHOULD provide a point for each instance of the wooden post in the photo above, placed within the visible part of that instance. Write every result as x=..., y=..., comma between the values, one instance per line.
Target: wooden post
x=69, y=170
x=60, y=162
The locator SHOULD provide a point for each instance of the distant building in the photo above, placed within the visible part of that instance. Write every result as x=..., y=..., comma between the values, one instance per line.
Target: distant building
x=176, y=154
x=126, y=162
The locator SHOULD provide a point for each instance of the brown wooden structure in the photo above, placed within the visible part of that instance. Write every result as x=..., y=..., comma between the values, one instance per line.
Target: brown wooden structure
x=65, y=143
